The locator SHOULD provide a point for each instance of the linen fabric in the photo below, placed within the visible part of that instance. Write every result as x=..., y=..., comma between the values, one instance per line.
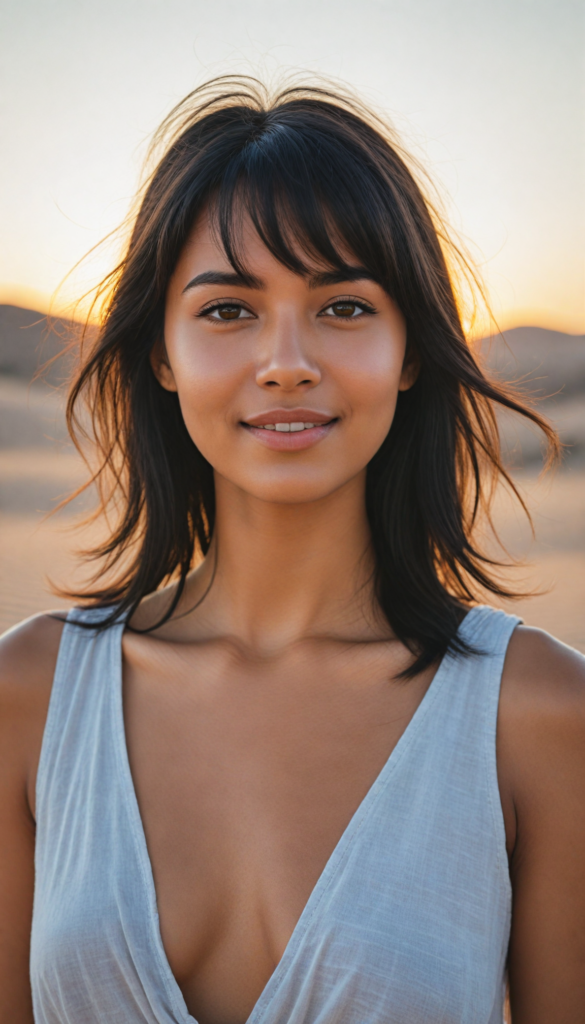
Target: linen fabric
x=408, y=924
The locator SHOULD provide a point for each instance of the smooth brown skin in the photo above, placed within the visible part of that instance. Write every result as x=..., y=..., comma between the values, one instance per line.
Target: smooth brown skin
x=258, y=719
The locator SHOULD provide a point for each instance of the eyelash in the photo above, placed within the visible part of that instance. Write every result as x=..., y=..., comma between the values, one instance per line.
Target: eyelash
x=221, y=305
x=365, y=307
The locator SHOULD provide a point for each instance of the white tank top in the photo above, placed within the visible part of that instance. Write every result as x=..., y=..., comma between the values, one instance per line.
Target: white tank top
x=408, y=923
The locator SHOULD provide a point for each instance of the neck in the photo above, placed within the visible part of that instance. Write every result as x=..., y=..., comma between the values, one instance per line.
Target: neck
x=284, y=572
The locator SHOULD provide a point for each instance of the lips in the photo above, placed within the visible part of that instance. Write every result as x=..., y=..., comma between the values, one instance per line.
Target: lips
x=290, y=429
x=286, y=419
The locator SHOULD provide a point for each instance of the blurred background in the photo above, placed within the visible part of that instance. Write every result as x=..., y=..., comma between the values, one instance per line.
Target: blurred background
x=488, y=94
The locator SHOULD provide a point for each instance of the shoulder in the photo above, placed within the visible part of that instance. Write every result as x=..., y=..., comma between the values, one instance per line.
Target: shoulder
x=541, y=769
x=541, y=727
x=543, y=679
x=28, y=655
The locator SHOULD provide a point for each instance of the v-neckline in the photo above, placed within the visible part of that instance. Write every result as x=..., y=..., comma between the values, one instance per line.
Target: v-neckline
x=334, y=861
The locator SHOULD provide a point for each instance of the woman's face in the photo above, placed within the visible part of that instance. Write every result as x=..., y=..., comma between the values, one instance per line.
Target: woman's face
x=288, y=387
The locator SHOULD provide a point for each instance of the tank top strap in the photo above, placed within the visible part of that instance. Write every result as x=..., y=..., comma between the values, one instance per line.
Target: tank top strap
x=84, y=683
x=471, y=684
x=462, y=733
x=479, y=677
x=489, y=630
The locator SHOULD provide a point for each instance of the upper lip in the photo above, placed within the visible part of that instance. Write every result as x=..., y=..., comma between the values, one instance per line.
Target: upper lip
x=288, y=416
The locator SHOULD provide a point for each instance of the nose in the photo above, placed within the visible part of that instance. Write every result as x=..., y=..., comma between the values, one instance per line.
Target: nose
x=286, y=364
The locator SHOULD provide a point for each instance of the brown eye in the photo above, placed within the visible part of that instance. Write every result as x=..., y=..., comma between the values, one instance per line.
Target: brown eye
x=344, y=308
x=229, y=312
x=226, y=311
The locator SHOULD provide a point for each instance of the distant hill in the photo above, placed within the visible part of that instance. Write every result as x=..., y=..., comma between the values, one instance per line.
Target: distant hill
x=544, y=362
x=28, y=339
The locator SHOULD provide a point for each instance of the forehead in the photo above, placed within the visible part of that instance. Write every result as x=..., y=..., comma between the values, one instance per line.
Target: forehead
x=204, y=251
x=204, y=241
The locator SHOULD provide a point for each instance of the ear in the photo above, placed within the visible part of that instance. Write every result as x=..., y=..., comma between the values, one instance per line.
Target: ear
x=410, y=370
x=161, y=367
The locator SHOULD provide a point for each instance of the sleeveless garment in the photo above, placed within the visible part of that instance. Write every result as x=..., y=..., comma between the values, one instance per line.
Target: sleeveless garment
x=408, y=924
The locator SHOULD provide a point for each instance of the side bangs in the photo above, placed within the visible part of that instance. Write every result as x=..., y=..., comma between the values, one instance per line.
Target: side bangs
x=308, y=204
x=328, y=191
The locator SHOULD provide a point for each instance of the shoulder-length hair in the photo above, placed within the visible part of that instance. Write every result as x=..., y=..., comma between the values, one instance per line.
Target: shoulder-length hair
x=320, y=177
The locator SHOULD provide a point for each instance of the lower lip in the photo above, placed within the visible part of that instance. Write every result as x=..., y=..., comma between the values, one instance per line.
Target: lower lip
x=291, y=441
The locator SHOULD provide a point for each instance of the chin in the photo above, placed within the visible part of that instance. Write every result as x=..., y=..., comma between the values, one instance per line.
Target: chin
x=293, y=492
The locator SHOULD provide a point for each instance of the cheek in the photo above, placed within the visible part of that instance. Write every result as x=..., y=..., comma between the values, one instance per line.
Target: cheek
x=208, y=377
x=370, y=378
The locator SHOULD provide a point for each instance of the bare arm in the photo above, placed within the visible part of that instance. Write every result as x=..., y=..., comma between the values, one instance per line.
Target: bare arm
x=27, y=661
x=541, y=760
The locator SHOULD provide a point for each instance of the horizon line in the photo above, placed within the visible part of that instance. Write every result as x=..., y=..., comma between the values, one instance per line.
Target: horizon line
x=23, y=297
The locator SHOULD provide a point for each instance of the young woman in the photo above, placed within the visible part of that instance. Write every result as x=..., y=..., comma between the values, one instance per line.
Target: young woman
x=280, y=765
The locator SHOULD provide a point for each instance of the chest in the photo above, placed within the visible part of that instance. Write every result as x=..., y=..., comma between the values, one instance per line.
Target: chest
x=408, y=919
x=247, y=775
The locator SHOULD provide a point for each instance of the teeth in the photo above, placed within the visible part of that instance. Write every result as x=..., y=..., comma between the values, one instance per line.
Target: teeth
x=285, y=428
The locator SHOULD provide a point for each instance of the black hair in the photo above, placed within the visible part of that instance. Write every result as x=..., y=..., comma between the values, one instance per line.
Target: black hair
x=320, y=177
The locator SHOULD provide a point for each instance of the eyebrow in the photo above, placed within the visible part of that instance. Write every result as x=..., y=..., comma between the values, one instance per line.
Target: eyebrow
x=223, y=277
x=318, y=280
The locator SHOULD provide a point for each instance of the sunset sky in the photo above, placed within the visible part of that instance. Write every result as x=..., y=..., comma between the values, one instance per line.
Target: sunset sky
x=489, y=93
